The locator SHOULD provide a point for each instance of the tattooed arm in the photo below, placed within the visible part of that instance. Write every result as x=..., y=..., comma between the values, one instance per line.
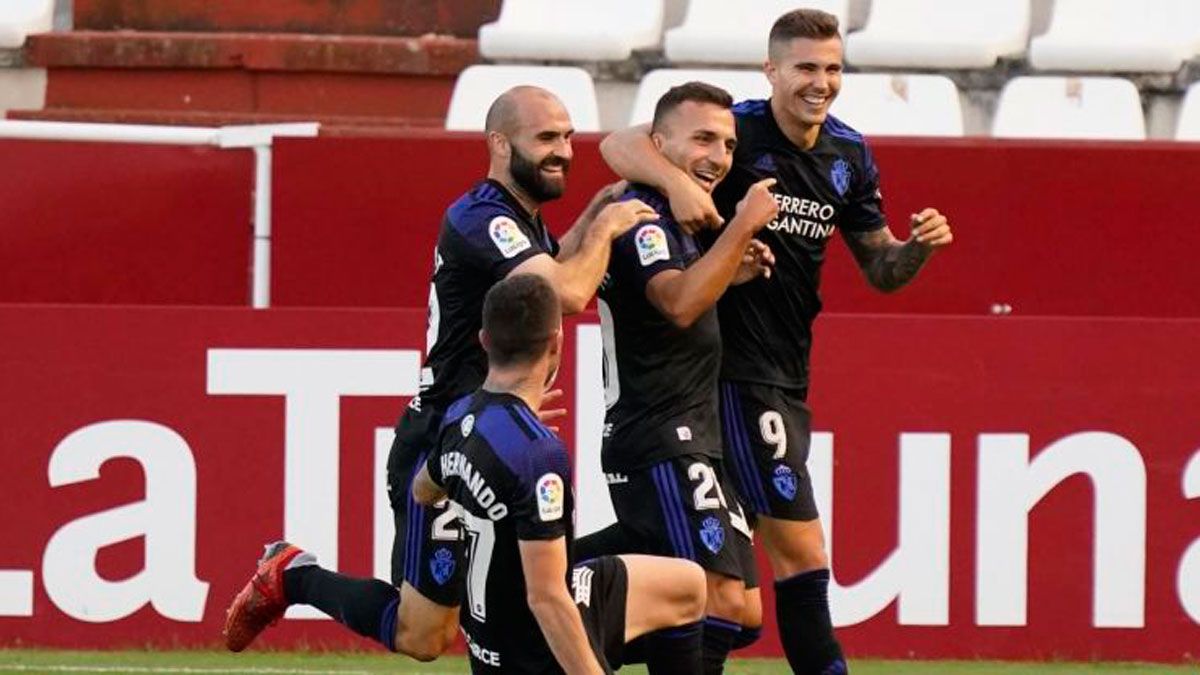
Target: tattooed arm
x=888, y=263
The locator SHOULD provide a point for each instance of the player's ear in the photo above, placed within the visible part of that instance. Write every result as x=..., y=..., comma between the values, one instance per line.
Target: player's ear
x=498, y=144
x=484, y=341
x=658, y=139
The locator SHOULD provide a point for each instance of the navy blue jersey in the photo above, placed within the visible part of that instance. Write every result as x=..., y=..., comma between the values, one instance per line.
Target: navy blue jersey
x=485, y=234
x=660, y=381
x=766, y=324
x=508, y=477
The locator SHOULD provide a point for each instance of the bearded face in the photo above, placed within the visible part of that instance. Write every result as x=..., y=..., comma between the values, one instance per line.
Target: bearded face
x=544, y=178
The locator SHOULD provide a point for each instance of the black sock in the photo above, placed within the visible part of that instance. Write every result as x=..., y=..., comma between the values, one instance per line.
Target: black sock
x=671, y=651
x=747, y=637
x=612, y=540
x=719, y=635
x=805, y=627
x=365, y=606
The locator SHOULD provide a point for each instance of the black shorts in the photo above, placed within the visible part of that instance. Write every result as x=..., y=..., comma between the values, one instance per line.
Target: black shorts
x=684, y=507
x=428, y=550
x=600, y=587
x=767, y=433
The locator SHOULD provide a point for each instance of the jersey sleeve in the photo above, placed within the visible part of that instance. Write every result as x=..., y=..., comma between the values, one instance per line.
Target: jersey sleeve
x=498, y=238
x=643, y=252
x=541, y=509
x=864, y=213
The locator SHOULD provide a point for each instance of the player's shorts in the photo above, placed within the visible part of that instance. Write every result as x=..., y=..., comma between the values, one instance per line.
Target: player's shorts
x=767, y=432
x=428, y=550
x=684, y=507
x=600, y=588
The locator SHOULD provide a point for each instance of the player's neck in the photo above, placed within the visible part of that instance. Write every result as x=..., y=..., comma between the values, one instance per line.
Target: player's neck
x=529, y=204
x=525, y=383
x=803, y=136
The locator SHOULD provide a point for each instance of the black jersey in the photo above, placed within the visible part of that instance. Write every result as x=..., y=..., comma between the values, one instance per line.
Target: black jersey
x=484, y=235
x=660, y=381
x=509, y=478
x=766, y=324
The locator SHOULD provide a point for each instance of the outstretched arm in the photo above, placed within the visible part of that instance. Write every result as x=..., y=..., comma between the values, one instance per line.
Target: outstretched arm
x=573, y=238
x=577, y=278
x=632, y=156
x=888, y=263
x=545, y=566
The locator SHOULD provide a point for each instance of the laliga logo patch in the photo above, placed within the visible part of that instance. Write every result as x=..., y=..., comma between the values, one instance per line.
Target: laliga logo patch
x=785, y=481
x=712, y=534
x=507, y=236
x=467, y=424
x=550, y=498
x=442, y=565
x=840, y=175
x=651, y=244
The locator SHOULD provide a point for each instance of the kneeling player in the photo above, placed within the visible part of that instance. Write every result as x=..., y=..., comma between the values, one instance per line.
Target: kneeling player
x=509, y=477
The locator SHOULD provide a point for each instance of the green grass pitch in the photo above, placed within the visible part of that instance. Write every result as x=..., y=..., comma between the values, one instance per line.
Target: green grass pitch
x=326, y=663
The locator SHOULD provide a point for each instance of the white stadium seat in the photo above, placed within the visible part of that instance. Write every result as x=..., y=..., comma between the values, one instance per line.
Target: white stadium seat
x=724, y=31
x=1189, y=116
x=21, y=18
x=899, y=105
x=1153, y=36
x=940, y=33
x=1070, y=107
x=478, y=86
x=741, y=84
x=574, y=30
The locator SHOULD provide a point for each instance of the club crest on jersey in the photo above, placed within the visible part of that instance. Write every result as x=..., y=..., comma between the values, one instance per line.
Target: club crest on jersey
x=712, y=533
x=651, y=244
x=785, y=482
x=766, y=163
x=441, y=565
x=550, y=497
x=507, y=236
x=840, y=175
x=467, y=424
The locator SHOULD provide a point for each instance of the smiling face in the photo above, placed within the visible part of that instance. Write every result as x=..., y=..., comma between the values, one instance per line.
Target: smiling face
x=699, y=138
x=529, y=137
x=805, y=76
x=541, y=151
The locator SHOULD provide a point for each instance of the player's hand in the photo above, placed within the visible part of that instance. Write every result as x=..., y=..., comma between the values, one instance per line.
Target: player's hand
x=548, y=415
x=758, y=207
x=622, y=216
x=756, y=261
x=931, y=230
x=693, y=207
x=603, y=197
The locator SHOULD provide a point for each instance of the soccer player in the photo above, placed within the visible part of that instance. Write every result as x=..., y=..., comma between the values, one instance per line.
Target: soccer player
x=492, y=231
x=661, y=450
x=827, y=180
x=510, y=479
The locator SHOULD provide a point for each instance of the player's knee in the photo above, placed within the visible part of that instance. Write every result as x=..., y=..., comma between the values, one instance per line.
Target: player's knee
x=424, y=645
x=426, y=649
x=726, y=597
x=694, y=595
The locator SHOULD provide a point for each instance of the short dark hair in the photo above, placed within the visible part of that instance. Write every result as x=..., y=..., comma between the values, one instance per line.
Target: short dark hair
x=812, y=24
x=696, y=92
x=521, y=314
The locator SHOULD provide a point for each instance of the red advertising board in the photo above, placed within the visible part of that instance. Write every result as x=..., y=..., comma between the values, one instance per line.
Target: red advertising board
x=995, y=487
x=125, y=223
